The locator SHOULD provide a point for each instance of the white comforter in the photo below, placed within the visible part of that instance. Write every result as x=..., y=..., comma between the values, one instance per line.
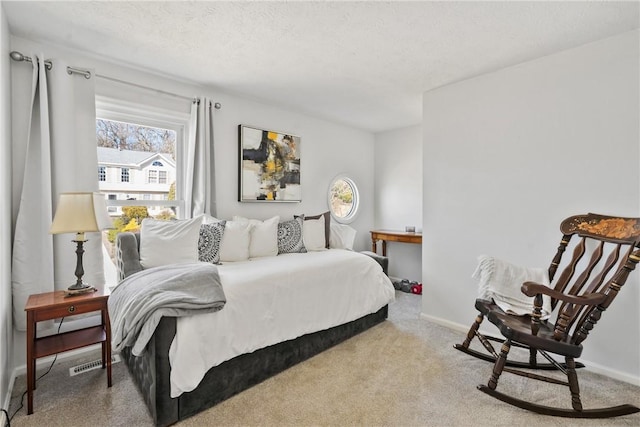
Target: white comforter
x=274, y=299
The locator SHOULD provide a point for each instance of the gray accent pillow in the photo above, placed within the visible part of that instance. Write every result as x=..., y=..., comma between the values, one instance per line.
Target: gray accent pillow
x=209, y=242
x=127, y=254
x=290, y=236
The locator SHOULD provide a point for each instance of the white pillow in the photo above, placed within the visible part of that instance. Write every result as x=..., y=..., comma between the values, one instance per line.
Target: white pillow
x=313, y=234
x=235, y=241
x=342, y=236
x=264, y=236
x=169, y=242
x=208, y=219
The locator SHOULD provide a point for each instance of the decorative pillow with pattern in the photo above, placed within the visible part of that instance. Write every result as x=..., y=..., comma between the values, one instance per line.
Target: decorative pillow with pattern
x=209, y=242
x=290, y=236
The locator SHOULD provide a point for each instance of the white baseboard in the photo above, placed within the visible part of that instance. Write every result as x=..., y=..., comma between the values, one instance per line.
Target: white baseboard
x=590, y=366
x=611, y=373
x=446, y=323
x=7, y=399
x=46, y=361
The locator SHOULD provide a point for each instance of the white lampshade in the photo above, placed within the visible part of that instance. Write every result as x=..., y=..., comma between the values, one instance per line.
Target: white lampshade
x=79, y=213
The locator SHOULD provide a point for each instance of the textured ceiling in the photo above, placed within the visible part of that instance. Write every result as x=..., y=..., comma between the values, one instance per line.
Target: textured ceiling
x=365, y=64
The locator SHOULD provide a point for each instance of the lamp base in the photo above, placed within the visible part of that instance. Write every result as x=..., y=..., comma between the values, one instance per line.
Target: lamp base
x=87, y=290
x=78, y=286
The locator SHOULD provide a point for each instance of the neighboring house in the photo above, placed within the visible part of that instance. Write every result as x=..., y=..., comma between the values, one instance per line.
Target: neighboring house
x=135, y=175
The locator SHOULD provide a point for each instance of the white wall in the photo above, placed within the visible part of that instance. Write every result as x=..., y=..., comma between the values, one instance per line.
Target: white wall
x=327, y=149
x=508, y=155
x=398, y=189
x=5, y=217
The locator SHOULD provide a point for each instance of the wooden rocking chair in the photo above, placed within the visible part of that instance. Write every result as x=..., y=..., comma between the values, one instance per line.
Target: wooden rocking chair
x=608, y=250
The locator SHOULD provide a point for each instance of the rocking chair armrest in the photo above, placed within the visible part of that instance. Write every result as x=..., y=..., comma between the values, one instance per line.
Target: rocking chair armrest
x=532, y=289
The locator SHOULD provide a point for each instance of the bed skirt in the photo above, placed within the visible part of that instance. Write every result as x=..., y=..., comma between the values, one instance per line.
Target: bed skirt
x=150, y=371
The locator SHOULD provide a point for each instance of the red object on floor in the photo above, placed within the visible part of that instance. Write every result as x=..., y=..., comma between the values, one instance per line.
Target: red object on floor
x=417, y=289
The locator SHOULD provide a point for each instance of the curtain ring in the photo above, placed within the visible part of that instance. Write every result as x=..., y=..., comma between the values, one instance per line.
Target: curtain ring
x=85, y=73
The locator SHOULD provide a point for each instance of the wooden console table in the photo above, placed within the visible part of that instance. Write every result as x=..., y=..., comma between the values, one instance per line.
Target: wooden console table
x=392, y=236
x=54, y=305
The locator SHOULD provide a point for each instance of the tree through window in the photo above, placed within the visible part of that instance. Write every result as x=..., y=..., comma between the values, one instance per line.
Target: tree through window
x=134, y=137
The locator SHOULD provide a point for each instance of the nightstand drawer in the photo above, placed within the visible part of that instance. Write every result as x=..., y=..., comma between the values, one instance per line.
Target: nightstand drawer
x=69, y=309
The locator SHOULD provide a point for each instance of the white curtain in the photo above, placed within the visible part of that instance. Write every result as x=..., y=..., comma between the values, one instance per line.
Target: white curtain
x=199, y=161
x=61, y=157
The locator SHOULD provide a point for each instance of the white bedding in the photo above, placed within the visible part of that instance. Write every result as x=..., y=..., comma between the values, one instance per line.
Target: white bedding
x=274, y=299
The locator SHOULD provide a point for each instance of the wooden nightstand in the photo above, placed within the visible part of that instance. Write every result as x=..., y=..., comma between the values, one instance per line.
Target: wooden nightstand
x=54, y=305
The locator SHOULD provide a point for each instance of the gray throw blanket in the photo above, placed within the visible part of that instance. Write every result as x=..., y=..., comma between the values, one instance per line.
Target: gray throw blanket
x=139, y=301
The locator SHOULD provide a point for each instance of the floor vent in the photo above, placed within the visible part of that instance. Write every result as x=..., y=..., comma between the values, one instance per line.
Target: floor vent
x=90, y=366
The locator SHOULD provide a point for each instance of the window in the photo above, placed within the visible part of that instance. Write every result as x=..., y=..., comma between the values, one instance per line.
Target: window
x=102, y=173
x=156, y=177
x=343, y=199
x=112, y=209
x=126, y=138
x=131, y=137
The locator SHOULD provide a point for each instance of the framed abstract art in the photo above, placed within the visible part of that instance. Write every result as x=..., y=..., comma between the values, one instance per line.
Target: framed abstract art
x=269, y=169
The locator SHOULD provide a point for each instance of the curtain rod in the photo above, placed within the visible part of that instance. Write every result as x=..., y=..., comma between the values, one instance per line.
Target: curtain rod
x=17, y=56
x=217, y=105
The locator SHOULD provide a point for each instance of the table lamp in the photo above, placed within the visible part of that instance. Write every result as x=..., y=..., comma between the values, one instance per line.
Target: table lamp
x=80, y=213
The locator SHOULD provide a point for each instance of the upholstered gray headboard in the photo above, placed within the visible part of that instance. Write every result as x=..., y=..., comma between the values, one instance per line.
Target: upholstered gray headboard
x=127, y=254
x=382, y=260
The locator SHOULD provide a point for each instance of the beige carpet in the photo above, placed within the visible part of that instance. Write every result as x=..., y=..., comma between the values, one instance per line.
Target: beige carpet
x=403, y=372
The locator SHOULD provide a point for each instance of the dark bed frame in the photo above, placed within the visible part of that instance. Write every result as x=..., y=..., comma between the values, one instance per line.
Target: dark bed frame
x=151, y=370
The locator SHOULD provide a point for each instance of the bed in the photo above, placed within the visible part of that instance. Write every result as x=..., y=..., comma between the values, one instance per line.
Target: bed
x=272, y=320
